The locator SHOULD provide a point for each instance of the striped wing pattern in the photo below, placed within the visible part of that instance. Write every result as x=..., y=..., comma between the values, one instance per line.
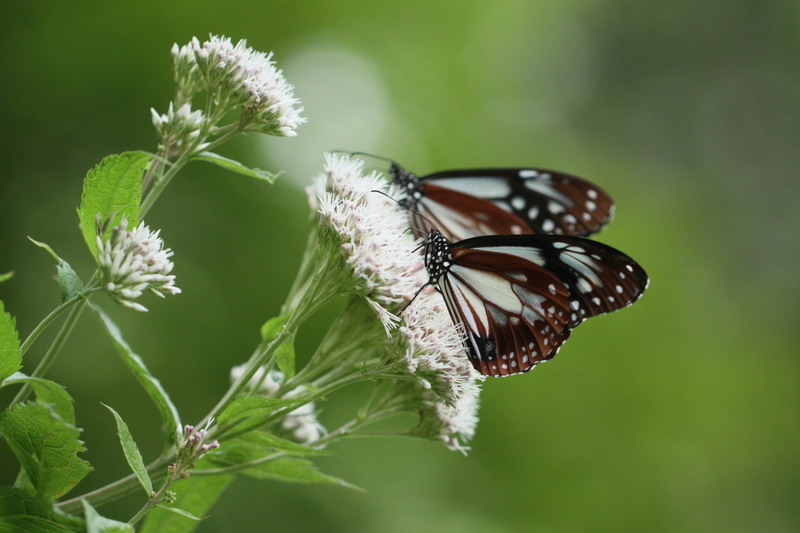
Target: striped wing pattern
x=505, y=201
x=518, y=297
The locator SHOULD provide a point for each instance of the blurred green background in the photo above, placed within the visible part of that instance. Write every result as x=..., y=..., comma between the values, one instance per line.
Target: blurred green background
x=678, y=414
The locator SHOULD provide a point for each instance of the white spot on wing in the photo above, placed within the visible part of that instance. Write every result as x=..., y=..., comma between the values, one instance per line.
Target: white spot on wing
x=528, y=173
x=530, y=254
x=518, y=203
x=584, y=285
x=481, y=187
x=546, y=189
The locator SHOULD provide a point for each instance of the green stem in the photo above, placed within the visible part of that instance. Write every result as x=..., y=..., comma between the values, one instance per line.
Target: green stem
x=310, y=297
x=39, y=329
x=153, y=500
x=340, y=432
x=119, y=488
x=55, y=347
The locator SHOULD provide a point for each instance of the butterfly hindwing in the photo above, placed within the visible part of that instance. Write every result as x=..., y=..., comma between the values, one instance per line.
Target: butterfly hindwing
x=515, y=313
x=518, y=296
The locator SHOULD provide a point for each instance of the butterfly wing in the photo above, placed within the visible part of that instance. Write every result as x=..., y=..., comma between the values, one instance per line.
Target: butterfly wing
x=515, y=314
x=518, y=297
x=474, y=202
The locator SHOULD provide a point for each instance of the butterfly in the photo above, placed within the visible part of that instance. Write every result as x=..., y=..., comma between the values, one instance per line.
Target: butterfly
x=518, y=297
x=502, y=201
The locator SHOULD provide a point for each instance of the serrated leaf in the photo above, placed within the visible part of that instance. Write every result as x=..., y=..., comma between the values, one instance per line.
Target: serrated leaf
x=68, y=280
x=100, y=524
x=48, y=393
x=7, y=276
x=195, y=495
x=46, y=447
x=22, y=512
x=132, y=454
x=273, y=327
x=294, y=470
x=112, y=189
x=252, y=406
x=10, y=355
x=151, y=385
x=235, y=166
x=257, y=445
x=284, y=356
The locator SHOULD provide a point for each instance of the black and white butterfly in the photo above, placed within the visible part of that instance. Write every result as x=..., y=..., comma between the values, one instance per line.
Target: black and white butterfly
x=519, y=296
x=502, y=201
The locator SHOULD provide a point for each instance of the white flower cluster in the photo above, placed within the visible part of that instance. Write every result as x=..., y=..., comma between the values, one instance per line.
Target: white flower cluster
x=302, y=422
x=435, y=356
x=178, y=127
x=243, y=75
x=373, y=232
x=262, y=382
x=134, y=261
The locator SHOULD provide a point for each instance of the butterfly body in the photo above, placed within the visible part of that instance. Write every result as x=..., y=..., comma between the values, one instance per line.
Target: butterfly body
x=502, y=201
x=518, y=297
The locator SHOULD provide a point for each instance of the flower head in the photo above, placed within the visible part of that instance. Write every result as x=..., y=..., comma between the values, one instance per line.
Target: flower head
x=192, y=446
x=134, y=261
x=178, y=128
x=302, y=422
x=372, y=233
x=243, y=76
x=434, y=354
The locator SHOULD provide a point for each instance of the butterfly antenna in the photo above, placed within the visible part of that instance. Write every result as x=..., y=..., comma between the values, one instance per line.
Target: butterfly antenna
x=431, y=222
x=367, y=154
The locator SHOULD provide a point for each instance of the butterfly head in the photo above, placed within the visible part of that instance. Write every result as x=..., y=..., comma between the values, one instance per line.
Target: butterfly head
x=408, y=184
x=438, y=256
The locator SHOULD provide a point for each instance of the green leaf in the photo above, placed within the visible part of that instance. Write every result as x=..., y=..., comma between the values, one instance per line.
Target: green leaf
x=48, y=393
x=284, y=356
x=181, y=512
x=195, y=495
x=10, y=356
x=7, y=276
x=132, y=454
x=69, y=281
x=46, y=447
x=235, y=166
x=273, y=327
x=151, y=385
x=100, y=524
x=252, y=406
x=256, y=445
x=294, y=470
x=71, y=285
x=22, y=512
x=112, y=189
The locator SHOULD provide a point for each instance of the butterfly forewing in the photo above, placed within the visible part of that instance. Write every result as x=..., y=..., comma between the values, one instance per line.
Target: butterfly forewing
x=518, y=296
x=523, y=200
x=460, y=215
